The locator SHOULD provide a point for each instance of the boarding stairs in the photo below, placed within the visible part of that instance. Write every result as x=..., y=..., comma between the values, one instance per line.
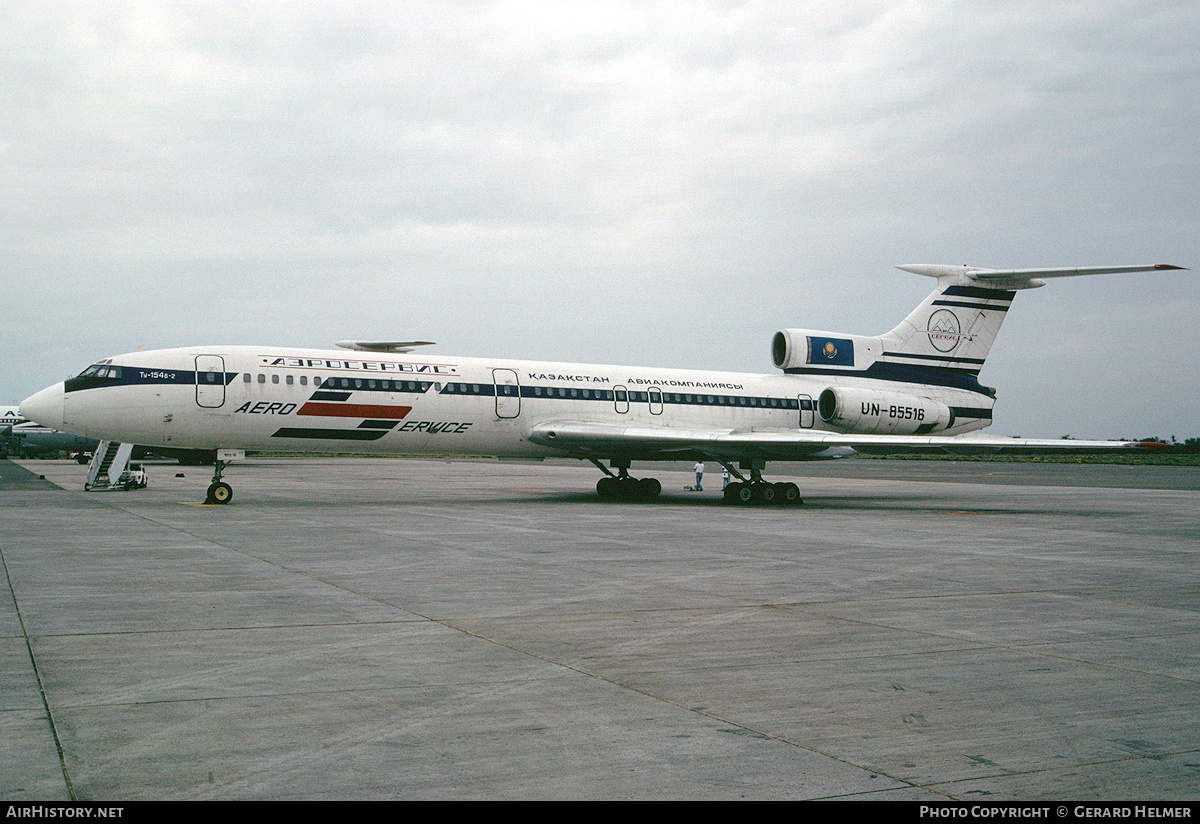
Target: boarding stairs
x=110, y=460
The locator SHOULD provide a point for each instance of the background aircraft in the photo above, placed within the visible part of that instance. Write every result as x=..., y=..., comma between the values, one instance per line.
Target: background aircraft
x=31, y=439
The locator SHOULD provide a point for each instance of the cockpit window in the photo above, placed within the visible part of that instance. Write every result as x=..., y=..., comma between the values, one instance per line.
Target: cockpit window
x=101, y=370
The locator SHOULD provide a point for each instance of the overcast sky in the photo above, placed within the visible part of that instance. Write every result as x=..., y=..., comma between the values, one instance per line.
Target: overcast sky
x=634, y=182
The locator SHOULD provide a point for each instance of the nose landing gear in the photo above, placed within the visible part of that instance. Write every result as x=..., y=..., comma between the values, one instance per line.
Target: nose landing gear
x=219, y=492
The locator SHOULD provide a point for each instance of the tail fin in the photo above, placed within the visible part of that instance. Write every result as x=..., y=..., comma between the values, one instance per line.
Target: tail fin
x=955, y=327
x=944, y=341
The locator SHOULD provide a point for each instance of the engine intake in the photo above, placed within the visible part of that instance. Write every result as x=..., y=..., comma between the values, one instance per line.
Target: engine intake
x=781, y=349
x=869, y=412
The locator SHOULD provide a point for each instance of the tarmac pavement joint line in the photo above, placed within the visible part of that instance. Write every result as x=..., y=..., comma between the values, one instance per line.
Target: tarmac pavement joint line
x=693, y=710
x=1030, y=647
x=38, y=675
x=448, y=624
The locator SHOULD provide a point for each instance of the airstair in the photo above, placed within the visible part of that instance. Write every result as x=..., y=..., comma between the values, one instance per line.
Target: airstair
x=109, y=462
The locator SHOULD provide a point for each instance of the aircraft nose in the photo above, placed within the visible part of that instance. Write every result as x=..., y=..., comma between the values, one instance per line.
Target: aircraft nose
x=45, y=407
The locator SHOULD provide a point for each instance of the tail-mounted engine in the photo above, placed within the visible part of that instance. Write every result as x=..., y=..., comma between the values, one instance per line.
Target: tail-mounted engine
x=869, y=412
x=783, y=350
x=806, y=348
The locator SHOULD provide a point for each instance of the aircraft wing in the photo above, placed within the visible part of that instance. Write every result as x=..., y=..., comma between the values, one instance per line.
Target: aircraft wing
x=592, y=440
x=396, y=346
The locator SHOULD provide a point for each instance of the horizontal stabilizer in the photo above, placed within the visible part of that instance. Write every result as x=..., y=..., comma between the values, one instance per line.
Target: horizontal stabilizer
x=1023, y=278
x=383, y=345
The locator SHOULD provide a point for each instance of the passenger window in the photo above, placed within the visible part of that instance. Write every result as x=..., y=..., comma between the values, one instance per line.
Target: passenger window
x=274, y=379
x=246, y=378
x=289, y=380
x=304, y=380
x=262, y=378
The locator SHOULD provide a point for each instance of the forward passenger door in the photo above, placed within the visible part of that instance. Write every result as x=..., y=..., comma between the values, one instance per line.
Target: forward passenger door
x=210, y=381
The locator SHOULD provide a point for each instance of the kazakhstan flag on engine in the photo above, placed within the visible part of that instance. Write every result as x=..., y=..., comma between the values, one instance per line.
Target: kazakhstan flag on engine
x=831, y=351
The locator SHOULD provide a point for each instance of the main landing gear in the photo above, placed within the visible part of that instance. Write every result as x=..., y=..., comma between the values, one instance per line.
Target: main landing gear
x=756, y=491
x=621, y=487
x=744, y=491
x=219, y=492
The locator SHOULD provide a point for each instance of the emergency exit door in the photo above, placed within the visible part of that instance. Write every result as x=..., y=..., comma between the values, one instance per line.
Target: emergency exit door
x=806, y=412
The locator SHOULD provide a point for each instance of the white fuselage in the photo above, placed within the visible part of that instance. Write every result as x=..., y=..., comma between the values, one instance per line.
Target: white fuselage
x=264, y=398
x=913, y=387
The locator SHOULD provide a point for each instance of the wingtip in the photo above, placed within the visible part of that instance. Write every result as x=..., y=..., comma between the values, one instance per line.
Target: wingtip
x=934, y=270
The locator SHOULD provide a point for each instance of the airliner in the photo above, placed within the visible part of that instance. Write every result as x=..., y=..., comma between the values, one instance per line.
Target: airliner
x=32, y=438
x=915, y=386
x=9, y=418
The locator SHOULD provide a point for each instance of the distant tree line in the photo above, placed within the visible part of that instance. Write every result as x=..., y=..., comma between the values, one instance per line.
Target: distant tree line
x=1190, y=445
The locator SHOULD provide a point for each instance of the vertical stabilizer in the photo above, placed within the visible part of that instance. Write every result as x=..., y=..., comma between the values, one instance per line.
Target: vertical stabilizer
x=953, y=328
x=942, y=343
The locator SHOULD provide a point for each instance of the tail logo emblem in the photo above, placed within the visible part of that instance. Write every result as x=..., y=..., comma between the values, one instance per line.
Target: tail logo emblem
x=944, y=330
x=829, y=350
